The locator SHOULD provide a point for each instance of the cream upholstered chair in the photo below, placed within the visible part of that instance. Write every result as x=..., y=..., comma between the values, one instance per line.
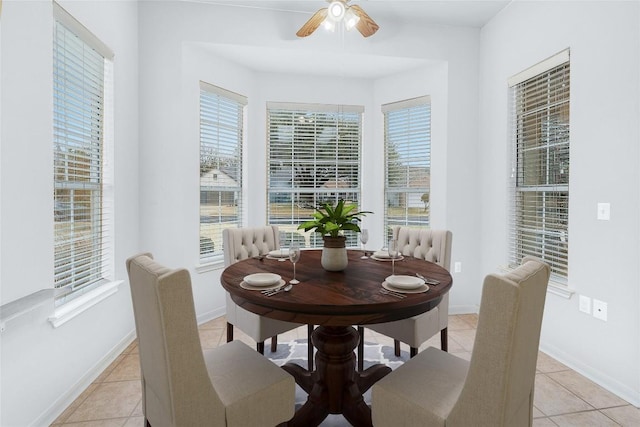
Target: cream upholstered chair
x=494, y=389
x=434, y=246
x=239, y=244
x=231, y=385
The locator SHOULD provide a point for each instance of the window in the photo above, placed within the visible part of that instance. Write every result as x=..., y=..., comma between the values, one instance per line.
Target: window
x=313, y=158
x=540, y=172
x=82, y=152
x=407, y=151
x=221, y=135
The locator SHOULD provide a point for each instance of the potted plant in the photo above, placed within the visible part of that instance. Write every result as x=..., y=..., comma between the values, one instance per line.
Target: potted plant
x=331, y=221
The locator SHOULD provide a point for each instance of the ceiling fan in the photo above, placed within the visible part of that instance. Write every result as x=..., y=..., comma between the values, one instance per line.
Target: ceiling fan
x=339, y=11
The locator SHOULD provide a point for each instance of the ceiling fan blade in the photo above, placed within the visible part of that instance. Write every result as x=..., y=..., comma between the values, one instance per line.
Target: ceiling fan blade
x=313, y=23
x=365, y=25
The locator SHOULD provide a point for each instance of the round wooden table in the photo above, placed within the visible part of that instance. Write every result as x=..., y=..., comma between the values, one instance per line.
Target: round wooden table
x=335, y=301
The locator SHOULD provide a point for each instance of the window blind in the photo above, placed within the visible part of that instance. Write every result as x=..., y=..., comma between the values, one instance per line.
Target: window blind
x=407, y=146
x=539, y=185
x=83, y=211
x=221, y=136
x=313, y=158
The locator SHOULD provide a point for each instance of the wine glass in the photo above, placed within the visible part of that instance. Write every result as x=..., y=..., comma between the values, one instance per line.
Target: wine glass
x=364, y=237
x=294, y=256
x=393, y=253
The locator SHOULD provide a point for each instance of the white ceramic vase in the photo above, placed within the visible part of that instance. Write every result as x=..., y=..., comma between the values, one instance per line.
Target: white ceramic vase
x=334, y=254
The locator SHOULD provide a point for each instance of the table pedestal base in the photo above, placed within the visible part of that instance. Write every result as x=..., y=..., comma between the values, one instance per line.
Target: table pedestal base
x=335, y=387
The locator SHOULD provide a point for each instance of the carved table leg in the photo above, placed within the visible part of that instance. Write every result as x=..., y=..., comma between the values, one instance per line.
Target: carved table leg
x=335, y=387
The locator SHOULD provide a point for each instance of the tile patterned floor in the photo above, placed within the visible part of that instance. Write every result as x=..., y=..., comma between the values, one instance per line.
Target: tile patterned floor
x=562, y=398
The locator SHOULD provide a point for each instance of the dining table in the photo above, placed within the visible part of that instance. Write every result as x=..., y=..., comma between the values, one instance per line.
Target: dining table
x=335, y=301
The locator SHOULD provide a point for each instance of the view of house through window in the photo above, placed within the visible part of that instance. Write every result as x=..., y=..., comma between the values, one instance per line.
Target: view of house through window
x=540, y=175
x=407, y=150
x=221, y=135
x=313, y=157
x=83, y=212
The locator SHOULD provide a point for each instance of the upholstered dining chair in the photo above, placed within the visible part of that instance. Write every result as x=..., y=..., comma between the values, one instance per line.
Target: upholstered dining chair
x=242, y=243
x=430, y=245
x=230, y=385
x=494, y=389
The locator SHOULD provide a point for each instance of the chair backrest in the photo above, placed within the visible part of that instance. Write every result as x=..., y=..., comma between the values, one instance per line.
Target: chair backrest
x=176, y=387
x=498, y=390
x=425, y=243
x=242, y=243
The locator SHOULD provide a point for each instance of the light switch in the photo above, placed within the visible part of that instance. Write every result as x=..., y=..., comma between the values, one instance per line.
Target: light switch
x=585, y=304
x=604, y=211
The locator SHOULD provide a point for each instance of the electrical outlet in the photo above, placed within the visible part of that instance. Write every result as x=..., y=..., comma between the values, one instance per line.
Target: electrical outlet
x=457, y=267
x=600, y=309
x=585, y=304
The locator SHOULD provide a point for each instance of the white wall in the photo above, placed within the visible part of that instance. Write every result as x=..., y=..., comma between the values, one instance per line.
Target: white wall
x=171, y=62
x=604, y=38
x=43, y=368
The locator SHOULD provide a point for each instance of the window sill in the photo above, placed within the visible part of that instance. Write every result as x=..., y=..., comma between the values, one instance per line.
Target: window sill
x=24, y=305
x=560, y=289
x=71, y=309
x=209, y=266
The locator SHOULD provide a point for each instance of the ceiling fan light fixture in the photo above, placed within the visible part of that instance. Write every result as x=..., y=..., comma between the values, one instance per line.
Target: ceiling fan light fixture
x=350, y=19
x=337, y=11
x=329, y=25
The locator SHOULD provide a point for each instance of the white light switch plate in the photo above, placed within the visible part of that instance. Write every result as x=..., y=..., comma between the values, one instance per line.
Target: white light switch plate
x=585, y=304
x=604, y=211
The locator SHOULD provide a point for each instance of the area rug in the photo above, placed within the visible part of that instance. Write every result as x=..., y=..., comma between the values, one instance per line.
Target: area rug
x=296, y=352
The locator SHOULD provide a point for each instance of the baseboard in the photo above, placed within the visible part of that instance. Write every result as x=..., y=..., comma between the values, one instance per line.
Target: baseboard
x=210, y=315
x=621, y=390
x=66, y=399
x=463, y=309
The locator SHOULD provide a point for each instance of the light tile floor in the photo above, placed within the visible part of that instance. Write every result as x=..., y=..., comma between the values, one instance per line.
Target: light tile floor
x=562, y=397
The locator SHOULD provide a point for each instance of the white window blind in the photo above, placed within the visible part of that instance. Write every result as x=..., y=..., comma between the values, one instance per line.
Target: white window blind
x=407, y=150
x=313, y=157
x=83, y=208
x=221, y=136
x=539, y=217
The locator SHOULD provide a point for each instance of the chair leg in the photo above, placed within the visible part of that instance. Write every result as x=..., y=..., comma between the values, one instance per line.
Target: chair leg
x=274, y=344
x=361, y=349
x=309, y=348
x=229, y=332
x=396, y=348
x=413, y=351
x=260, y=347
x=444, y=340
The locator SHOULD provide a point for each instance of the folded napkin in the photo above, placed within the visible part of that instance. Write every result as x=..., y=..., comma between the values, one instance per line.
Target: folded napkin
x=381, y=254
x=280, y=253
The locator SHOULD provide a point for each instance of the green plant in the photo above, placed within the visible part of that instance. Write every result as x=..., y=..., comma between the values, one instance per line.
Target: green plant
x=331, y=220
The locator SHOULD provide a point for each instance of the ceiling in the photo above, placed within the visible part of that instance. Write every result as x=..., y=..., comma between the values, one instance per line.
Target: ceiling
x=467, y=13
x=474, y=13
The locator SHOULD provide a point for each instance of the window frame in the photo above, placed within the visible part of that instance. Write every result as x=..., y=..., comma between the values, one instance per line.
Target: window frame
x=69, y=300
x=87, y=165
x=539, y=176
x=407, y=128
x=221, y=130
x=312, y=177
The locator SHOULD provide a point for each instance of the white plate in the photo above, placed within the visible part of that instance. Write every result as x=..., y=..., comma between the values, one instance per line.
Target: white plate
x=381, y=254
x=262, y=279
x=398, y=258
x=245, y=285
x=280, y=253
x=418, y=290
x=404, y=282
